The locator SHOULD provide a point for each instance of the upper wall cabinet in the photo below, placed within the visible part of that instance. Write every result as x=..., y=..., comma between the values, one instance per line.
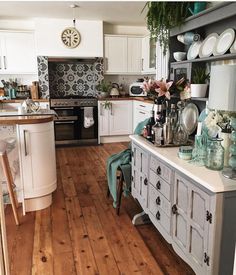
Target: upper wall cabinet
x=17, y=53
x=148, y=55
x=122, y=54
x=48, y=38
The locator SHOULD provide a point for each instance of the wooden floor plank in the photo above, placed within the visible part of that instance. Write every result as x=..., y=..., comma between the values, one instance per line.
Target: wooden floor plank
x=42, y=253
x=83, y=254
x=64, y=264
x=104, y=258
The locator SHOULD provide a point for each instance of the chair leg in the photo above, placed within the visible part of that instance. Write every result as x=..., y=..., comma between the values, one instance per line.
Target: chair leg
x=108, y=192
x=10, y=183
x=119, y=193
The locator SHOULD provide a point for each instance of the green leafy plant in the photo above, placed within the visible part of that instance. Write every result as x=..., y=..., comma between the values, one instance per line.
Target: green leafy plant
x=104, y=86
x=163, y=16
x=107, y=105
x=200, y=76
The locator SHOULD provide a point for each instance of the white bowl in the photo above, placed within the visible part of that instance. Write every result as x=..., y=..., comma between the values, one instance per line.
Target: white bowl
x=179, y=56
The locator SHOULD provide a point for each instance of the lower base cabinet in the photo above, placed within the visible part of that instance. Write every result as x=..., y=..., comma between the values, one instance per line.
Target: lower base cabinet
x=200, y=224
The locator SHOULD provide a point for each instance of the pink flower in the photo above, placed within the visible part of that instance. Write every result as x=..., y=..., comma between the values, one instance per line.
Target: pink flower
x=163, y=88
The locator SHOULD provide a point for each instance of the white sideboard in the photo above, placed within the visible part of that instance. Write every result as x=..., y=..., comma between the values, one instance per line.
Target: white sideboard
x=192, y=207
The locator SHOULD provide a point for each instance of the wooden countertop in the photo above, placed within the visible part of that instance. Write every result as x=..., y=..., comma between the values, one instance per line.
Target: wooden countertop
x=11, y=120
x=21, y=100
x=138, y=98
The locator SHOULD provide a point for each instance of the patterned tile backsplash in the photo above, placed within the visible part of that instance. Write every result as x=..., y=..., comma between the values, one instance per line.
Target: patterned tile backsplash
x=69, y=78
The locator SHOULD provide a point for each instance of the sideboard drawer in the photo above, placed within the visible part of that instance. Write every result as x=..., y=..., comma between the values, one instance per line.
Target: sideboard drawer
x=161, y=185
x=157, y=200
x=161, y=218
x=160, y=169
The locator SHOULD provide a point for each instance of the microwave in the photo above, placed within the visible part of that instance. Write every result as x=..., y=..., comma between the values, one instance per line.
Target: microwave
x=135, y=89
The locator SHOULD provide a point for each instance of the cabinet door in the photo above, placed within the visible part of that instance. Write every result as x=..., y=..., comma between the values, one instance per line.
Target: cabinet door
x=141, y=111
x=103, y=120
x=115, y=54
x=134, y=55
x=120, y=120
x=148, y=55
x=38, y=162
x=19, y=53
x=190, y=225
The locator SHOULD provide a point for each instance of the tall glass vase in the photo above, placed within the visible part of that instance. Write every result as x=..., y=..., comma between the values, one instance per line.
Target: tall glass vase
x=180, y=135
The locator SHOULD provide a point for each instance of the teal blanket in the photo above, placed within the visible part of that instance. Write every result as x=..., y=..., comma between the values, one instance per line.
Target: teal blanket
x=121, y=160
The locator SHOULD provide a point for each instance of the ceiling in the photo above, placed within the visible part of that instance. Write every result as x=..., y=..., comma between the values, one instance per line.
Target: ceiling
x=113, y=12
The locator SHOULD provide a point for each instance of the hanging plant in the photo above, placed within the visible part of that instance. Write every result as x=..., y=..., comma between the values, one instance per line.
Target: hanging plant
x=163, y=16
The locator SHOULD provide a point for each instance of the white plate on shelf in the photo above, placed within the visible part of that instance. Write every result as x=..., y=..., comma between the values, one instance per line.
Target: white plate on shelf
x=208, y=45
x=233, y=47
x=190, y=116
x=224, y=42
x=193, y=50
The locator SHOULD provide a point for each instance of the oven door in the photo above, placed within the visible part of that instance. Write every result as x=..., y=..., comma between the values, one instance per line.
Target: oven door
x=65, y=130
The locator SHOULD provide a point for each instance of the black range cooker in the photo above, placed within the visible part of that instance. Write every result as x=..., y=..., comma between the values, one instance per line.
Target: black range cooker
x=70, y=122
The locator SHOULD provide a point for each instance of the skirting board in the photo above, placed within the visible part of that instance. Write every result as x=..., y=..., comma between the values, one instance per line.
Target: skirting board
x=111, y=139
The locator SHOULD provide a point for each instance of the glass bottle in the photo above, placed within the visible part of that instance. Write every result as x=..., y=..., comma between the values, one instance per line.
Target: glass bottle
x=180, y=135
x=158, y=127
x=215, y=154
x=167, y=131
x=173, y=116
x=149, y=126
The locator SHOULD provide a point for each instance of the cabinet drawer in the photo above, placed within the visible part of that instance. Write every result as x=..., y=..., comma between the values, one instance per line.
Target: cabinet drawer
x=159, y=168
x=161, y=185
x=161, y=218
x=157, y=200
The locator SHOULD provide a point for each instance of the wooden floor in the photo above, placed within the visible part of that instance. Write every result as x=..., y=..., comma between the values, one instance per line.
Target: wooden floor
x=80, y=233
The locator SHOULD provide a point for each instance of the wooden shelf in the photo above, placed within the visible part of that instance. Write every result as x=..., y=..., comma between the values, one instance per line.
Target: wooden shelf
x=207, y=59
x=214, y=14
x=199, y=98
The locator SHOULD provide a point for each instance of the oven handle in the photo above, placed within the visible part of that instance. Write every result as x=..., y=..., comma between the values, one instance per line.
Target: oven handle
x=63, y=108
x=64, y=122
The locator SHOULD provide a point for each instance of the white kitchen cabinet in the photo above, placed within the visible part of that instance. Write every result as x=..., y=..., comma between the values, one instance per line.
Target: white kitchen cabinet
x=17, y=53
x=116, y=119
x=148, y=55
x=122, y=54
x=38, y=163
x=141, y=111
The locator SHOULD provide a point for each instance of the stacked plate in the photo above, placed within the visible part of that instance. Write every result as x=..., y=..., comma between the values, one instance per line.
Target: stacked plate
x=213, y=44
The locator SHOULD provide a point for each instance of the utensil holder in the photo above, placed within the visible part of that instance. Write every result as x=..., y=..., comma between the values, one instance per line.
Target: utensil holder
x=199, y=151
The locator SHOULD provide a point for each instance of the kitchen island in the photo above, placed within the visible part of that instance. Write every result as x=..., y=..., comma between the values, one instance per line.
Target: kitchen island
x=31, y=153
x=191, y=206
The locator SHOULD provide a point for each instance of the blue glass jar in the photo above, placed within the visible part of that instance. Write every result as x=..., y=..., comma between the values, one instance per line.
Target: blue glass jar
x=215, y=154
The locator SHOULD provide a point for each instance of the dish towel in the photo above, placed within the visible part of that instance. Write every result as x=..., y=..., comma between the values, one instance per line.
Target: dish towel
x=88, y=117
x=122, y=160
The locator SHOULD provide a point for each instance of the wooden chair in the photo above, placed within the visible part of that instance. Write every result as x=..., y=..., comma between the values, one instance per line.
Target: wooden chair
x=9, y=180
x=120, y=189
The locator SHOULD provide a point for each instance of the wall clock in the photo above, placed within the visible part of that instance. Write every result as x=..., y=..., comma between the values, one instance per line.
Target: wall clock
x=70, y=37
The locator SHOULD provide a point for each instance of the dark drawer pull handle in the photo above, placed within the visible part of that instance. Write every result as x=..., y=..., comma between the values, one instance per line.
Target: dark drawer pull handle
x=145, y=181
x=158, y=200
x=174, y=209
x=158, y=185
x=158, y=215
x=158, y=170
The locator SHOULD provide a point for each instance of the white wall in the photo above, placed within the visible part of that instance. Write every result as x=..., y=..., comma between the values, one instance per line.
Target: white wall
x=48, y=38
x=17, y=24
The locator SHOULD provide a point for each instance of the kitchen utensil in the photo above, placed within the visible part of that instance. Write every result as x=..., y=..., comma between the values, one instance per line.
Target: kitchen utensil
x=179, y=56
x=224, y=42
x=190, y=117
x=208, y=45
x=193, y=50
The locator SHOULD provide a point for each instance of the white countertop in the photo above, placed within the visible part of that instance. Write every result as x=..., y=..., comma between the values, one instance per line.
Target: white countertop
x=211, y=180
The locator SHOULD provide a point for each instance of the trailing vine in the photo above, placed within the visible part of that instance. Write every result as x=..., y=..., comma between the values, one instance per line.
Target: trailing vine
x=163, y=16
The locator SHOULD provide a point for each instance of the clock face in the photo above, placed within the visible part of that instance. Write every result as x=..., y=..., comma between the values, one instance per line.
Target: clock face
x=70, y=37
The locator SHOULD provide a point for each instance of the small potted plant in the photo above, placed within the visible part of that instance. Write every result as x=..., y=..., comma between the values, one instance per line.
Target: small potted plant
x=199, y=86
x=104, y=89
